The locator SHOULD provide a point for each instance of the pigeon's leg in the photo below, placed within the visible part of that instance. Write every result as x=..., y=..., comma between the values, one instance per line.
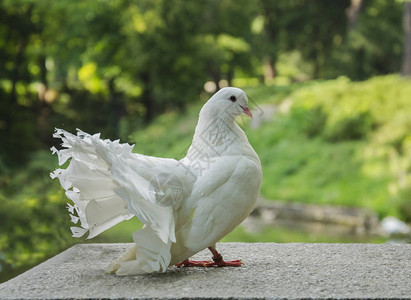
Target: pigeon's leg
x=219, y=262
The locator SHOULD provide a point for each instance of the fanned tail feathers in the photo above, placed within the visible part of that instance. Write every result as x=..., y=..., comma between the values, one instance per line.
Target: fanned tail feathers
x=108, y=184
x=88, y=184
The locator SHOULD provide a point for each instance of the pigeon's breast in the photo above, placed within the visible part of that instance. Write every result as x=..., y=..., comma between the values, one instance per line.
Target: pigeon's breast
x=222, y=198
x=247, y=179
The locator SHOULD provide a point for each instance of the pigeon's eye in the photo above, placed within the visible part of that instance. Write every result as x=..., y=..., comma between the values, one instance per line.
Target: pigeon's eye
x=233, y=98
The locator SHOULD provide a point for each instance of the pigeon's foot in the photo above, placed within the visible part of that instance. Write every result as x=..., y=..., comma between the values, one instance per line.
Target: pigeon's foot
x=217, y=261
x=226, y=263
x=193, y=263
x=220, y=262
x=207, y=263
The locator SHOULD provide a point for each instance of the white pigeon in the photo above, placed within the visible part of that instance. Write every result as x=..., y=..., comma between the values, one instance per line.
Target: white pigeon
x=186, y=205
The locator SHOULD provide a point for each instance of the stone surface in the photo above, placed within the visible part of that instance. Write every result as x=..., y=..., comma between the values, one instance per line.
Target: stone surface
x=270, y=271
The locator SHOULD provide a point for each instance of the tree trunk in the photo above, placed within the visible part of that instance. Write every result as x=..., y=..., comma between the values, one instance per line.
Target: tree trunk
x=43, y=108
x=19, y=59
x=216, y=80
x=353, y=12
x=112, y=108
x=147, y=98
x=406, y=62
x=216, y=75
x=43, y=77
x=316, y=67
x=230, y=75
x=16, y=70
x=269, y=58
x=269, y=69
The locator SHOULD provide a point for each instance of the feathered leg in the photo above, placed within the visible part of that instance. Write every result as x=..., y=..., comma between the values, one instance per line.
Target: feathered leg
x=149, y=254
x=127, y=256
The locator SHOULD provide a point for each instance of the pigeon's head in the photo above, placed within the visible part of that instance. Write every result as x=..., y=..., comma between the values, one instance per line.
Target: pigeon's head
x=231, y=101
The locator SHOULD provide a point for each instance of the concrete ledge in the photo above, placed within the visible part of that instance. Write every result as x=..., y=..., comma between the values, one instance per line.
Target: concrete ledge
x=270, y=271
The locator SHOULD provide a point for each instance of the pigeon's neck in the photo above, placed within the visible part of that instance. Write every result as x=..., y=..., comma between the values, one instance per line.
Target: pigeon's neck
x=218, y=135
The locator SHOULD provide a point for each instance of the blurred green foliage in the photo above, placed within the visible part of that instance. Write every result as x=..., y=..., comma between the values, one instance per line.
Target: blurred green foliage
x=136, y=69
x=339, y=142
x=355, y=153
x=33, y=217
x=112, y=66
x=311, y=152
x=321, y=160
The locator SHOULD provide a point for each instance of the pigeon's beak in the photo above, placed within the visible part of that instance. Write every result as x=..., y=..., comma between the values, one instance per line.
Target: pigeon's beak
x=247, y=111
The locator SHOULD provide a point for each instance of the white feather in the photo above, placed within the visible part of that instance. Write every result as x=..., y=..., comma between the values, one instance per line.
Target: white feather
x=186, y=205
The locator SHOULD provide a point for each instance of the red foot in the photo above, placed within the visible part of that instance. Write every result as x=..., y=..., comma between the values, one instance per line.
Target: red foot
x=228, y=263
x=193, y=263
x=207, y=263
x=217, y=261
